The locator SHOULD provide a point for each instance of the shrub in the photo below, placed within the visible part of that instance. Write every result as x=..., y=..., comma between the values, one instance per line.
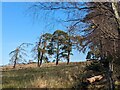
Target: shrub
x=95, y=66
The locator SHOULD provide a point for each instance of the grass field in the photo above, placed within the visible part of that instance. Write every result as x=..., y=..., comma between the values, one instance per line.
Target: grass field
x=50, y=76
x=47, y=76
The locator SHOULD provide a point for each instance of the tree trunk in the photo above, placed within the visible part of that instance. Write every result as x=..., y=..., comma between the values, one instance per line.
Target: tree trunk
x=43, y=51
x=111, y=84
x=41, y=59
x=15, y=60
x=110, y=76
x=117, y=17
x=14, y=63
x=68, y=58
x=38, y=64
x=116, y=12
x=57, y=62
x=69, y=49
x=57, y=58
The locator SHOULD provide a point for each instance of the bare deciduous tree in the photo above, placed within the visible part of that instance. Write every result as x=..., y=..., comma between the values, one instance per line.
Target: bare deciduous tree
x=18, y=53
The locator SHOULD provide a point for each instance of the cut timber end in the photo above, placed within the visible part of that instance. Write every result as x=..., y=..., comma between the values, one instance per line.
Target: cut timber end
x=95, y=78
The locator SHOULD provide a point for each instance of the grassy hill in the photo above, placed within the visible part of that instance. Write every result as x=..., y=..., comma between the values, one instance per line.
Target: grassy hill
x=49, y=76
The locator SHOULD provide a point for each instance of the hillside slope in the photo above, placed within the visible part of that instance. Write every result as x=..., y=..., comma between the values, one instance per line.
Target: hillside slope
x=49, y=76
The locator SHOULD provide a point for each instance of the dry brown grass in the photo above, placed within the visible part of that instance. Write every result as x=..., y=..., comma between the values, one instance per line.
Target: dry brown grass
x=48, y=75
x=34, y=65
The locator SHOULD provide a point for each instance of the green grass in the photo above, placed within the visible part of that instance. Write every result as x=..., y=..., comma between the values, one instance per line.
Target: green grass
x=61, y=76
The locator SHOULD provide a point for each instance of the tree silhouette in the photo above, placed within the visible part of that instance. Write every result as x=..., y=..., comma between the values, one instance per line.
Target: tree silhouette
x=66, y=48
x=46, y=38
x=18, y=53
x=41, y=48
x=36, y=51
x=59, y=44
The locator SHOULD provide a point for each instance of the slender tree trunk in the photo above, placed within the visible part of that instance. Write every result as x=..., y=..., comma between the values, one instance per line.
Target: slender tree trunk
x=111, y=84
x=39, y=53
x=16, y=57
x=38, y=64
x=69, y=47
x=57, y=58
x=38, y=59
x=42, y=53
x=68, y=59
x=14, y=63
x=110, y=74
x=109, y=67
x=41, y=59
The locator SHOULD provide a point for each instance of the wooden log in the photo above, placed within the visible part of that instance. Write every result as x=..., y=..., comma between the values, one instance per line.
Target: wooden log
x=95, y=78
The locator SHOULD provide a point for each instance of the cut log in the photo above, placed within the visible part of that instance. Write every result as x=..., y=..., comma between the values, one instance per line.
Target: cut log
x=95, y=78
